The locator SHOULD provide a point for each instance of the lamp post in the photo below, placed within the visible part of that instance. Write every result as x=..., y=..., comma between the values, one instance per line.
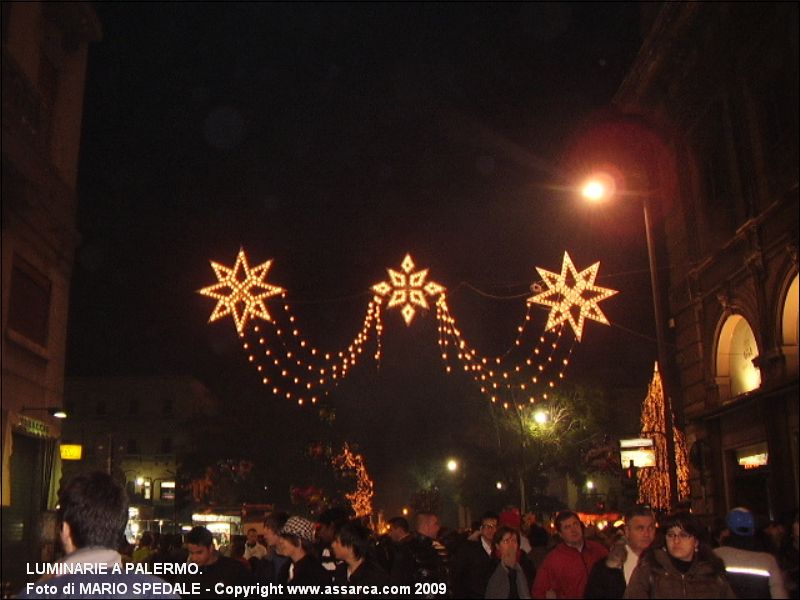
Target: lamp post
x=602, y=186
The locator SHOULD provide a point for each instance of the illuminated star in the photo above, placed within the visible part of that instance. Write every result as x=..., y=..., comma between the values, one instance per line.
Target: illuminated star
x=573, y=296
x=408, y=288
x=240, y=296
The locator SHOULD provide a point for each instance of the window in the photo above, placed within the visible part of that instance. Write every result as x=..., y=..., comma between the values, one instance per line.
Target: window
x=29, y=302
x=737, y=350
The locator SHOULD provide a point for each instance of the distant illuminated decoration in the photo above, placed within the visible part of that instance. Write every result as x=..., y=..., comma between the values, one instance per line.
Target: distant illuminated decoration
x=241, y=297
x=572, y=296
x=408, y=289
x=352, y=462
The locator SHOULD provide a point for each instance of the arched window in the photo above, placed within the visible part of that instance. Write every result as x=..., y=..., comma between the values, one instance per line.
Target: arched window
x=736, y=349
x=789, y=327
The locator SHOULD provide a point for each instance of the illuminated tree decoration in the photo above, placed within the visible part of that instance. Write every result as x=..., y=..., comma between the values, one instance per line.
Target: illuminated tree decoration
x=240, y=296
x=361, y=498
x=408, y=289
x=654, y=481
x=572, y=296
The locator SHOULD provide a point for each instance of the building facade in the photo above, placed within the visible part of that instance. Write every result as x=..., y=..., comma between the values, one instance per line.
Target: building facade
x=138, y=429
x=44, y=56
x=717, y=85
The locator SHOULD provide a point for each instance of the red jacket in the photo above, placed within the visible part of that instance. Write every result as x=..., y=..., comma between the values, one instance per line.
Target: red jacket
x=566, y=571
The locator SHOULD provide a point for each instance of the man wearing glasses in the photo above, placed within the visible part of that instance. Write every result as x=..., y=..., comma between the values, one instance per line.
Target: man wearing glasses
x=475, y=561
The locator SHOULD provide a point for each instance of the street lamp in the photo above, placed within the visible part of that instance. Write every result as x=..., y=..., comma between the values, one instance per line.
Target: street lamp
x=452, y=465
x=597, y=188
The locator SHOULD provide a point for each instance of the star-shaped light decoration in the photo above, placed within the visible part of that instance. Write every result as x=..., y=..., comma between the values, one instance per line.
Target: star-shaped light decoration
x=408, y=288
x=240, y=296
x=573, y=296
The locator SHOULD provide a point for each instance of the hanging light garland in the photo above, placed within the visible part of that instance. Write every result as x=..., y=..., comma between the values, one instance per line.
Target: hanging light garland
x=290, y=366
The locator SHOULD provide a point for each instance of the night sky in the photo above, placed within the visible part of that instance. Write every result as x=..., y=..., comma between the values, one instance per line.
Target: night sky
x=334, y=139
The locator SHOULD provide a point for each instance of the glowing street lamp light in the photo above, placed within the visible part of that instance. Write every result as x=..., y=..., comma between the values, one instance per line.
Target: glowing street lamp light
x=589, y=484
x=452, y=465
x=499, y=485
x=541, y=417
x=602, y=186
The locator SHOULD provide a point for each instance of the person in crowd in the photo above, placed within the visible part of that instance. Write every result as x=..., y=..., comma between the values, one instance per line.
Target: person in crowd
x=430, y=554
x=538, y=537
x=752, y=572
x=475, y=561
x=252, y=547
x=92, y=514
x=273, y=568
x=790, y=558
x=774, y=533
x=609, y=577
x=144, y=548
x=403, y=567
x=685, y=567
x=297, y=543
x=565, y=570
x=214, y=567
x=508, y=580
x=328, y=522
x=237, y=552
x=351, y=545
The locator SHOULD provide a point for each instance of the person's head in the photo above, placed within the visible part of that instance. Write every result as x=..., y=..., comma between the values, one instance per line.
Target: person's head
x=237, y=548
x=92, y=511
x=273, y=523
x=428, y=524
x=296, y=538
x=683, y=534
x=741, y=522
x=488, y=526
x=329, y=521
x=398, y=528
x=252, y=536
x=569, y=528
x=351, y=542
x=640, y=528
x=200, y=544
x=507, y=541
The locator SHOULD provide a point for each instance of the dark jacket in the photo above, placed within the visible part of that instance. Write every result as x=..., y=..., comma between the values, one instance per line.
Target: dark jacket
x=605, y=582
x=309, y=571
x=657, y=577
x=471, y=568
x=368, y=574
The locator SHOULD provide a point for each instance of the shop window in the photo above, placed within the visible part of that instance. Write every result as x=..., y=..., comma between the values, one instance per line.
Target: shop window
x=736, y=350
x=29, y=302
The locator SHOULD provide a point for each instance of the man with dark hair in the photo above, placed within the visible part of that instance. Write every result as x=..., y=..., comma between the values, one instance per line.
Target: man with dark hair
x=214, y=567
x=609, y=578
x=92, y=513
x=351, y=545
x=252, y=548
x=752, y=571
x=475, y=561
x=565, y=570
x=328, y=522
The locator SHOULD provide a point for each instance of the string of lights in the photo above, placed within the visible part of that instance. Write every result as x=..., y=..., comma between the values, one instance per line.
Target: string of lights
x=361, y=498
x=294, y=368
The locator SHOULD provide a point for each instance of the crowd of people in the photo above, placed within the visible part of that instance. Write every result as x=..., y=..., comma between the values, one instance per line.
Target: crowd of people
x=504, y=554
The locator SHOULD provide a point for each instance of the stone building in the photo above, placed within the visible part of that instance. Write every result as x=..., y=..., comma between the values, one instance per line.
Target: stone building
x=44, y=56
x=138, y=429
x=712, y=97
